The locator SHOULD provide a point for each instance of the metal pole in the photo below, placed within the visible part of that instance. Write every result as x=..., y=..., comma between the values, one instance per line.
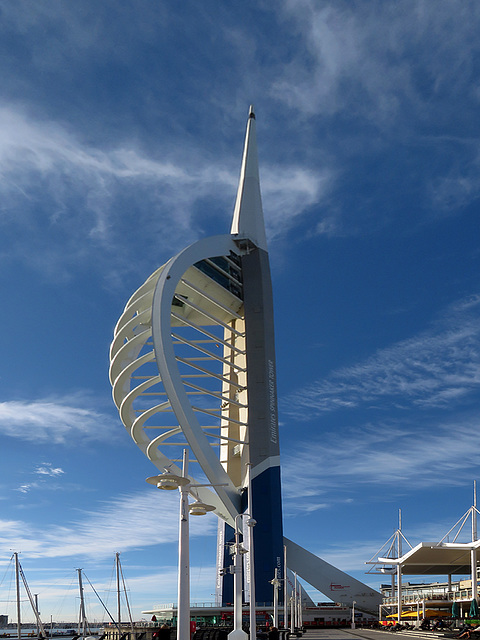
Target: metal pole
x=238, y=633
x=83, y=617
x=35, y=595
x=183, y=611
x=295, y=610
x=300, y=611
x=474, y=513
x=399, y=568
x=119, y=612
x=285, y=589
x=292, y=630
x=399, y=593
x=17, y=582
x=237, y=582
x=353, y=613
x=275, y=599
x=473, y=562
x=473, y=552
x=253, y=611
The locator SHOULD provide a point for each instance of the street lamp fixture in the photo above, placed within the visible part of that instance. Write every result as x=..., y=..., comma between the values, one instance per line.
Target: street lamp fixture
x=199, y=508
x=168, y=481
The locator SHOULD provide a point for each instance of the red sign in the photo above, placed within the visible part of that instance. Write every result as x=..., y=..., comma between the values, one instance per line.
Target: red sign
x=338, y=587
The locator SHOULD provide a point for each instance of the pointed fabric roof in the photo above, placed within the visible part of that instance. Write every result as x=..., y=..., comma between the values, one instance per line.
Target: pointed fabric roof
x=429, y=558
x=248, y=213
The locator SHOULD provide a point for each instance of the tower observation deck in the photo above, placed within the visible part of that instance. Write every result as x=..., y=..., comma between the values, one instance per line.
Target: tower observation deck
x=192, y=366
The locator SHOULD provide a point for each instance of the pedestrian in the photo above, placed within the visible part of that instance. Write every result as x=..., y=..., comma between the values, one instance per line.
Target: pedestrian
x=274, y=634
x=164, y=632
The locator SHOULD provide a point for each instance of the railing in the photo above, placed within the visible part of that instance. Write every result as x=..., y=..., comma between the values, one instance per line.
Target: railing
x=212, y=605
x=450, y=596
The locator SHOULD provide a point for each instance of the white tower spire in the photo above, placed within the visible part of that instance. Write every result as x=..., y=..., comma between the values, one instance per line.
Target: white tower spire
x=248, y=213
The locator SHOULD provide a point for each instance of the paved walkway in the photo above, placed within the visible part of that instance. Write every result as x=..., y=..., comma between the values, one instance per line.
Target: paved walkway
x=345, y=634
x=371, y=634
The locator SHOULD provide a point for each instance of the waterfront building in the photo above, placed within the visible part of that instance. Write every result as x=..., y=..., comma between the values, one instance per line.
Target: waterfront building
x=431, y=599
x=314, y=615
x=456, y=597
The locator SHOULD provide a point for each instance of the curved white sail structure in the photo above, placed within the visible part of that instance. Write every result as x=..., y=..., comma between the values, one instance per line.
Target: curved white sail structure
x=178, y=368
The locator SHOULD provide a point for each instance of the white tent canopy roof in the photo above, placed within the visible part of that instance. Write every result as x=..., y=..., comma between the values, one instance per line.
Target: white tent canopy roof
x=429, y=558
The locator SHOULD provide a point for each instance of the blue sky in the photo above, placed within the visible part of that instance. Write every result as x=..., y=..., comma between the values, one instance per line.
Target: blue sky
x=121, y=134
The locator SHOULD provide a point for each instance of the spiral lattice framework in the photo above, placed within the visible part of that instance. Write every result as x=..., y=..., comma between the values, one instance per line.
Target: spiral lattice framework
x=178, y=368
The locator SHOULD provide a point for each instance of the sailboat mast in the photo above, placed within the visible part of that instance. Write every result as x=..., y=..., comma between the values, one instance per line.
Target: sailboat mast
x=35, y=595
x=17, y=583
x=83, y=617
x=122, y=579
x=117, y=565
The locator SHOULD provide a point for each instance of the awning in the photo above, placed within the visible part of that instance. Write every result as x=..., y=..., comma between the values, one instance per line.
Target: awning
x=429, y=613
x=428, y=558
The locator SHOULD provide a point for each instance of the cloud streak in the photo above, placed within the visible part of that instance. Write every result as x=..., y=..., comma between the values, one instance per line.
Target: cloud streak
x=438, y=368
x=47, y=469
x=61, y=193
x=410, y=456
x=99, y=534
x=55, y=421
x=378, y=59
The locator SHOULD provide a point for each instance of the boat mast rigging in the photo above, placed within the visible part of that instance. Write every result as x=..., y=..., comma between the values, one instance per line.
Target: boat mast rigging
x=33, y=603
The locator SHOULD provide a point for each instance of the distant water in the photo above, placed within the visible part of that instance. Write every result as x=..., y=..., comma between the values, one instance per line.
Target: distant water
x=28, y=632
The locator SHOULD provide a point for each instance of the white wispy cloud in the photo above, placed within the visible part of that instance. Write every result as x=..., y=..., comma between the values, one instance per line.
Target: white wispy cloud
x=407, y=455
x=437, y=368
x=25, y=488
x=44, y=472
x=349, y=557
x=288, y=192
x=56, y=187
x=58, y=421
x=112, y=527
x=47, y=469
x=378, y=60
x=459, y=186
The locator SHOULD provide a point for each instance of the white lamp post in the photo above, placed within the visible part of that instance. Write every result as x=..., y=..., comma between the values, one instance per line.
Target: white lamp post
x=238, y=633
x=169, y=481
x=353, y=614
x=251, y=566
x=300, y=610
x=276, y=586
x=292, y=617
x=295, y=603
